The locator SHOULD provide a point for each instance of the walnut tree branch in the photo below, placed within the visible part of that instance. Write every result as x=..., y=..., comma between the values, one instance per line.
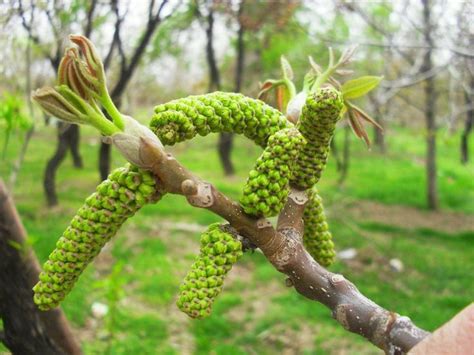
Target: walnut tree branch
x=283, y=247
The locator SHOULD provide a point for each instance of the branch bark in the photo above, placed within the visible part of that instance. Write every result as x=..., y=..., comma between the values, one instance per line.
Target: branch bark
x=26, y=329
x=283, y=247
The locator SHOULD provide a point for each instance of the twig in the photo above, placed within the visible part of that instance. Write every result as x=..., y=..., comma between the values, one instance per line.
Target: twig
x=283, y=247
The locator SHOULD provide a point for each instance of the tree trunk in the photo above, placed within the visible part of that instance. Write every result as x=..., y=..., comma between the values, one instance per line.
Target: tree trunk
x=226, y=139
x=378, y=136
x=346, y=155
x=430, y=102
x=119, y=88
x=335, y=154
x=26, y=330
x=66, y=135
x=224, y=147
x=104, y=160
x=468, y=124
x=74, y=145
x=224, y=144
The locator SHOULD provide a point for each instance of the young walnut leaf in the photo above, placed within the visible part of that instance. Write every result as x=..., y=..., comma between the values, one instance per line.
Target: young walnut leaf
x=286, y=68
x=355, y=88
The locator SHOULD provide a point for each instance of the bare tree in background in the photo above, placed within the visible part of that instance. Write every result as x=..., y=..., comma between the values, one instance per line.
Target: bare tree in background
x=469, y=121
x=430, y=110
x=466, y=38
x=68, y=135
x=225, y=142
x=422, y=71
x=226, y=139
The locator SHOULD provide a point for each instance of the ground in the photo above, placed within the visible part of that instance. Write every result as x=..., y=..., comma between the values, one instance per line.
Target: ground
x=378, y=211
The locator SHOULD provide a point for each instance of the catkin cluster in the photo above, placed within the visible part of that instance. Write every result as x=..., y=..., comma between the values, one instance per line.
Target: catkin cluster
x=317, y=238
x=119, y=197
x=219, y=251
x=267, y=186
x=317, y=124
x=183, y=119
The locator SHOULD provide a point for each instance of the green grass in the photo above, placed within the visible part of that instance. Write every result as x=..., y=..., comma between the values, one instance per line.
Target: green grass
x=256, y=312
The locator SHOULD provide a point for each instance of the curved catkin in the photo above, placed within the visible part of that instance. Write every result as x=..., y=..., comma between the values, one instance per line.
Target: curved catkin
x=317, y=124
x=183, y=119
x=219, y=251
x=118, y=198
x=267, y=186
x=317, y=238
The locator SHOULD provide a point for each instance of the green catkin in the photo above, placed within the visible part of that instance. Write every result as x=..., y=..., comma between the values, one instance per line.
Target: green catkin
x=118, y=198
x=267, y=186
x=317, y=238
x=219, y=251
x=183, y=119
x=317, y=124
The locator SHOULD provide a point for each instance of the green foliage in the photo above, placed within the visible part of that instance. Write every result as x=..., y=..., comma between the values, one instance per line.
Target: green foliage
x=355, y=88
x=12, y=117
x=113, y=288
x=165, y=41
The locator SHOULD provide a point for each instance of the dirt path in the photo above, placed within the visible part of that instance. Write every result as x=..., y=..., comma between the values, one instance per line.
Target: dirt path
x=411, y=218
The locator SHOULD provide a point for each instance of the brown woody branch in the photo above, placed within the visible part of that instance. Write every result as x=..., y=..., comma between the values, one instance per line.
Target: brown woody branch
x=27, y=330
x=283, y=247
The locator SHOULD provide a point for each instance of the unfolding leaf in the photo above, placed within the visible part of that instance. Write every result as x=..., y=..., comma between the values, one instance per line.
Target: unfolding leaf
x=355, y=88
x=347, y=55
x=363, y=115
x=266, y=87
x=357, y=127
x=286, y=68
x=316, y=67
x=309, y=79
x=344, y=72
x=282, y=97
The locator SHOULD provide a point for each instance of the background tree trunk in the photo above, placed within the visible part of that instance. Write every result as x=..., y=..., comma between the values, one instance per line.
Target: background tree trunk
x=74, y=146
x=68, y=139
x=378, y=136
x=126, y=71
x=346, y=155
x=226, y=140
x=66, y=136
x=26, y=329
x=430, y=110
x=468, y=95
x=224, y=144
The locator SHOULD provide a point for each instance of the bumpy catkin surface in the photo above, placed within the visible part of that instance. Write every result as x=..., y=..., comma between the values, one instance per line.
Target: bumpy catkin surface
x=317, y=124
x=317, y=238
x=118, y=198
x=267, y=186
x=183, y=119
x=219, y=251
x=291, y=155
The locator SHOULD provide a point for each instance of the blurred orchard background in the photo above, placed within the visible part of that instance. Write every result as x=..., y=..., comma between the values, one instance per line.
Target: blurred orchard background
x=402, y=212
